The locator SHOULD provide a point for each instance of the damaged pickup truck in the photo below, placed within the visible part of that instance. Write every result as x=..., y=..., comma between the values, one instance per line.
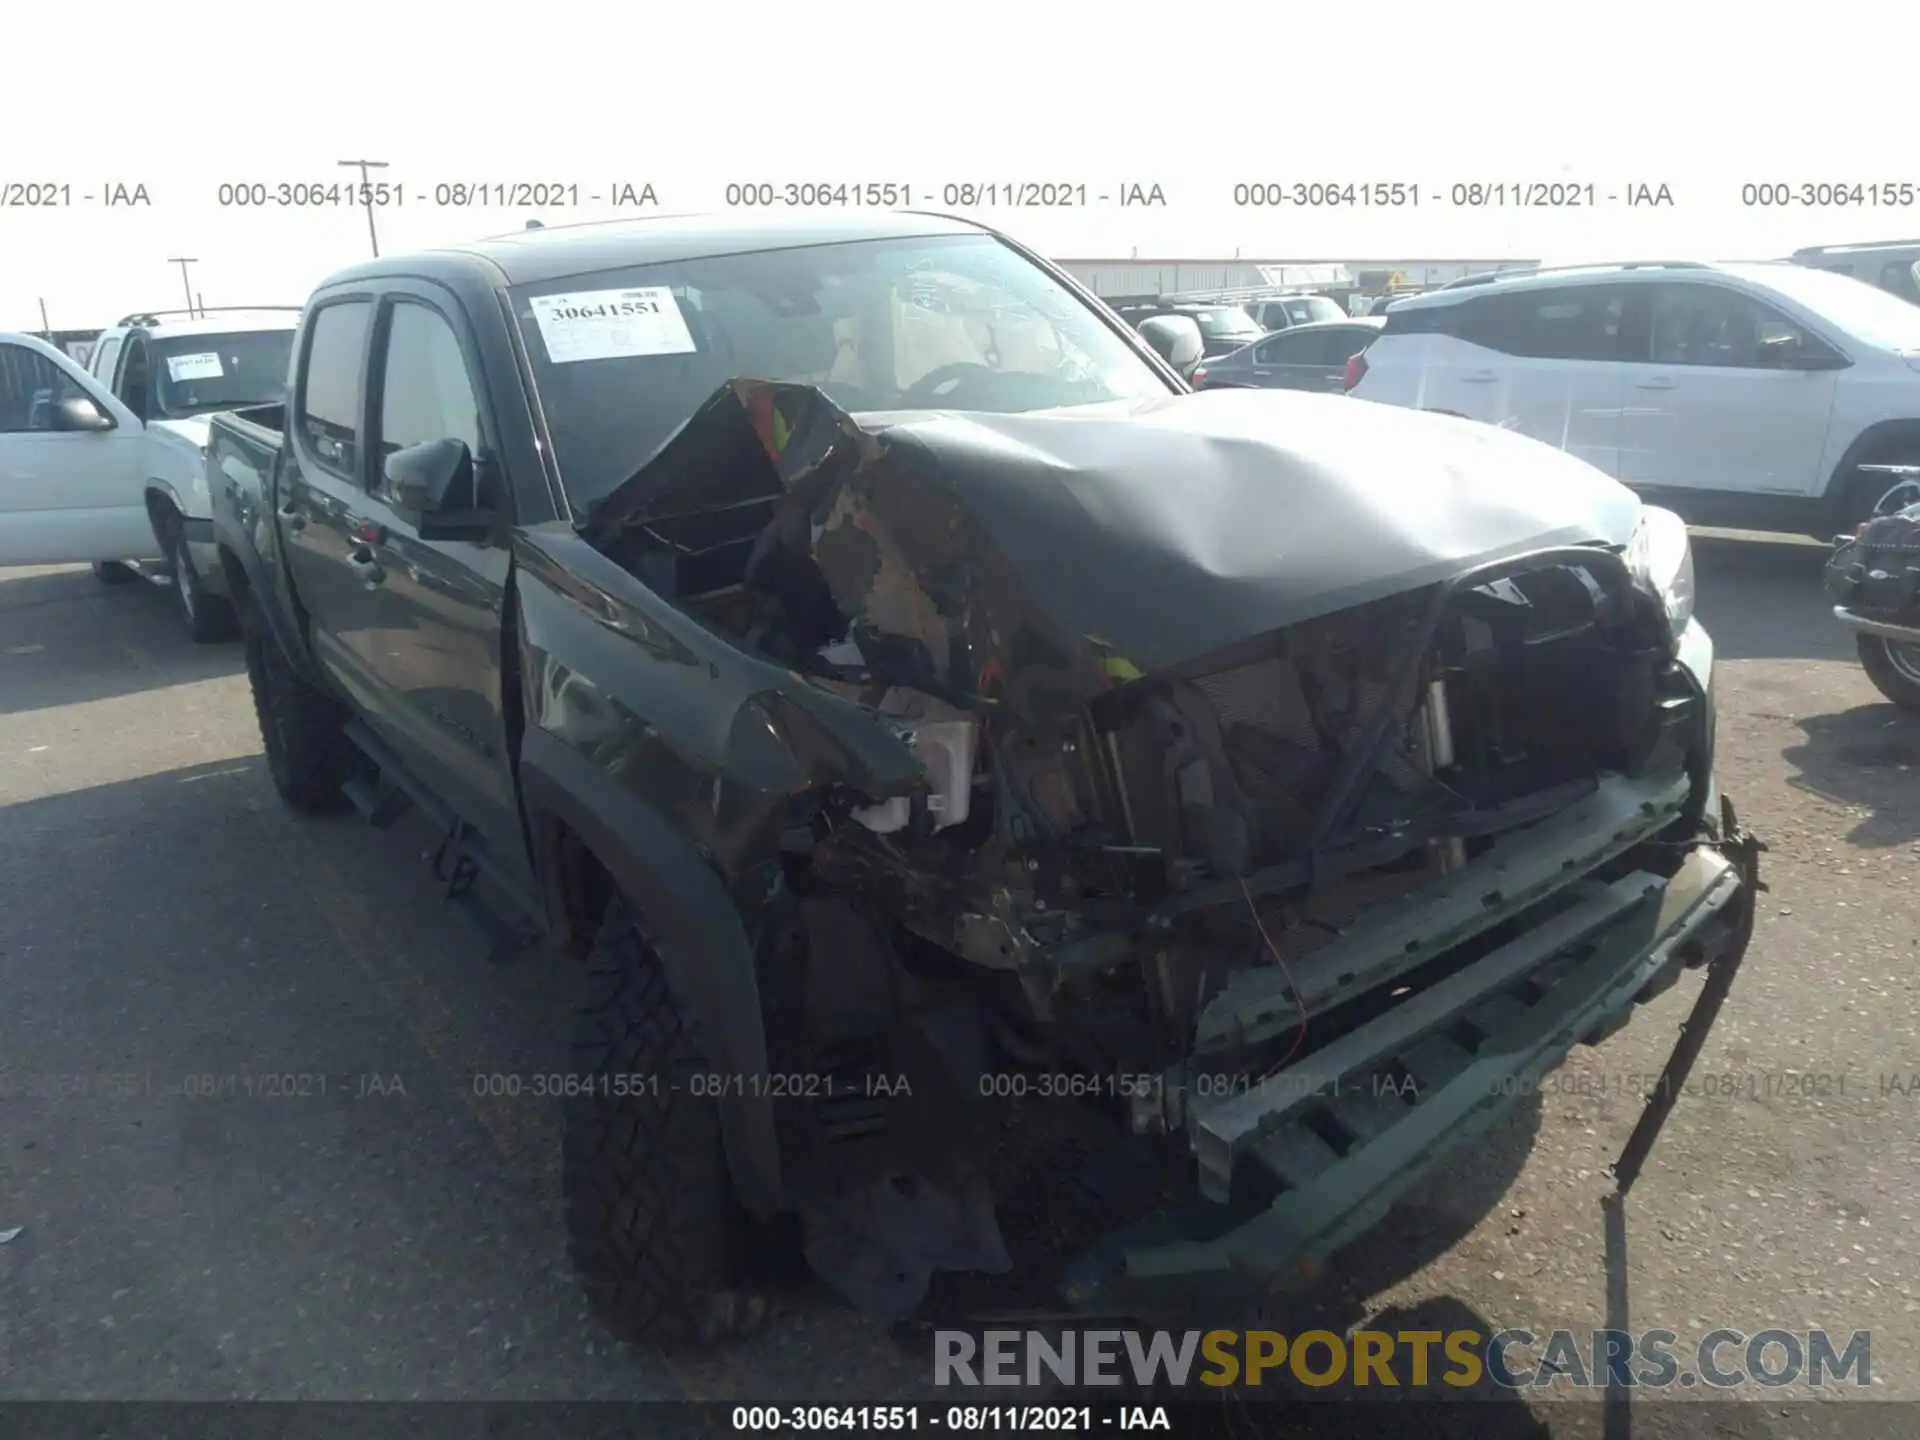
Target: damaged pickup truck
x=864, y=655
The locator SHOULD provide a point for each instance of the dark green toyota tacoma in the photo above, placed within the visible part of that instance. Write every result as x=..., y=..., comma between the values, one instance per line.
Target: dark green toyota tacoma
x=897, y=694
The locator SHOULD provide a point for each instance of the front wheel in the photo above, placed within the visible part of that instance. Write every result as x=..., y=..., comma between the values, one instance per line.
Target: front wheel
x=657, y=1236
x=209, y=617
x=1893, y=667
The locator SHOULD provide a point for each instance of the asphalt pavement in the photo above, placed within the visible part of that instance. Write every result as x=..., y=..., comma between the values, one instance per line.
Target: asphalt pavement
x=245, y=1139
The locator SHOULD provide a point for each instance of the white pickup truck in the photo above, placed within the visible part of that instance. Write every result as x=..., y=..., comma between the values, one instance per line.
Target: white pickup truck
x=70, y=462
x=171, y=369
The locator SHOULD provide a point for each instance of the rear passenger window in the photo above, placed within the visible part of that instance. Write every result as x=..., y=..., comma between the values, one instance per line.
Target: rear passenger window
x=1311, y=347
x=1343, y=345
x=1567, y=322
x=329, y=402
x=1284, y=351
x=425, y=393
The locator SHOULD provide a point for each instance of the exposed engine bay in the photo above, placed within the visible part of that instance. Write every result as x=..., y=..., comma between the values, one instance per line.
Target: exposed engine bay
x=1120, y=816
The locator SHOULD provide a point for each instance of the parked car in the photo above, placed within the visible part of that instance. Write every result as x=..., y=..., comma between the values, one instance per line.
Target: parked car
x=1222, y=327
x=1874, y=578
x=1307, y=357
x=1283, y=312
x=172, y=369
x=1893, y=265
x=960, y=700
x=1757, y=395
x=69, y=462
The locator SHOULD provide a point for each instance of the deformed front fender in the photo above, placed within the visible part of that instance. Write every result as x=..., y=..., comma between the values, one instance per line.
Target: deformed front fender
x=704, y=948
x=679, y=760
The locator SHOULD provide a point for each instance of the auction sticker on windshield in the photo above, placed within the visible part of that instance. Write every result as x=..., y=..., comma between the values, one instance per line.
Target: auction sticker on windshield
x=611, y=324
x=194, y=367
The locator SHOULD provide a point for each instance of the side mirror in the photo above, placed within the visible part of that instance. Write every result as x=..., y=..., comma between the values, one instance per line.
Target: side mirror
x=432, y=477
x=1175, y=339
x=436, y=481
x=78, y=413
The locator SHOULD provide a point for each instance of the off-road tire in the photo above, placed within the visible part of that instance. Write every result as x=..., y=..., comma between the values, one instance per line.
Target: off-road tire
x=657, y=1236
x=112, y=572
x=210, y=618
x=303, y=729
x=1890, y=677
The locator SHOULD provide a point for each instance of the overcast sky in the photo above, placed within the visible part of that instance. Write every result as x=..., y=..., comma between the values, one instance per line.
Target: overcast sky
x=183, y=98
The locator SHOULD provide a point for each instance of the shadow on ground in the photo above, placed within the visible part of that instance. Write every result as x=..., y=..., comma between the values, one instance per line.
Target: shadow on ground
x=1866, y=758
x=1762, y=599
x=66, y=639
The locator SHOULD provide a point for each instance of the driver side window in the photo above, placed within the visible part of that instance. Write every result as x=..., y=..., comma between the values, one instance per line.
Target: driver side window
x=30, y=386
x=1708, y=325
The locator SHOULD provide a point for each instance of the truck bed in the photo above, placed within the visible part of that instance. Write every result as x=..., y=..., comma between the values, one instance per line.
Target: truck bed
x=263, y=424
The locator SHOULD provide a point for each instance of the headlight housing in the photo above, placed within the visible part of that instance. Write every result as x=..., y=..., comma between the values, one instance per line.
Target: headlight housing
x=1660, y=557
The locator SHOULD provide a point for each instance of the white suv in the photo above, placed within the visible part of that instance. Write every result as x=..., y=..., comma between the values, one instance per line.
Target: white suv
x=172, y=369
x=1769, y=395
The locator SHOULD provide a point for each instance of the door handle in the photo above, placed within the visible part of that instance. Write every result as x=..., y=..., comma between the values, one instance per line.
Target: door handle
x=290, y=513
x=1654, y=382
x=1480, y=377
x=366, y=566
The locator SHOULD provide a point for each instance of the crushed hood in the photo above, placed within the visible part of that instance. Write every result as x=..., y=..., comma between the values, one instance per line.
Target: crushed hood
x=1035, y=557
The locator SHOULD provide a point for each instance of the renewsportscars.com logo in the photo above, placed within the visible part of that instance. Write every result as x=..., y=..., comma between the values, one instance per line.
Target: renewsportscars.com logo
x=1385, y=1359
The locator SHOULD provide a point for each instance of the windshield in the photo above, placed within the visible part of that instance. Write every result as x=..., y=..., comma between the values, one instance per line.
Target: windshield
x=1863, y=311
x=622, y=358
x=197, y=374
x=1313, y=308
x=1218, y=324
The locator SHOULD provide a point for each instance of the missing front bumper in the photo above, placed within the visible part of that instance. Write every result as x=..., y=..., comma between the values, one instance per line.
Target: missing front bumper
x=1529, y=1001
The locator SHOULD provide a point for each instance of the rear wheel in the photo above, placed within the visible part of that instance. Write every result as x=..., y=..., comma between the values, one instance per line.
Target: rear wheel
x=1894, y=669
x=303, y=729
x=112, y=572
x=657, y=1236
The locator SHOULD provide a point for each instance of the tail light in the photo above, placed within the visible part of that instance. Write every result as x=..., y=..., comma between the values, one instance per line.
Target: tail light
x=1356, y=368
x=1199, y=377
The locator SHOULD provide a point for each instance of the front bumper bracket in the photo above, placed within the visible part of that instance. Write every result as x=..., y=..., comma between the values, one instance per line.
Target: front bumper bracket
x=1743, y=849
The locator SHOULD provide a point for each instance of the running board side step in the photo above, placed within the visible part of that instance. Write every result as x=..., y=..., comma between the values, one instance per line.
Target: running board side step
x=381, y=802
x=511, y=927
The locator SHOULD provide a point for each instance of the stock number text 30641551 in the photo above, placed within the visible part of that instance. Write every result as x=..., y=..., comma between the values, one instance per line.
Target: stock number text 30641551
x=1327, y=194
x=818, y=194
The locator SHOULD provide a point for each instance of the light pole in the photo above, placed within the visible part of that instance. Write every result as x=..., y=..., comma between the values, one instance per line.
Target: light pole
x=366, y=193
x=183, y=261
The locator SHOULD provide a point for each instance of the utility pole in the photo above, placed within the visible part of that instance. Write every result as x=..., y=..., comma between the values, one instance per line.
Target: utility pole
x=46, y=325
x=366, y=193
x=186, y=284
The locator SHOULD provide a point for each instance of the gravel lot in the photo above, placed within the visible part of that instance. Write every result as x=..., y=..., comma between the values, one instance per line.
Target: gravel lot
x=162, y=917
